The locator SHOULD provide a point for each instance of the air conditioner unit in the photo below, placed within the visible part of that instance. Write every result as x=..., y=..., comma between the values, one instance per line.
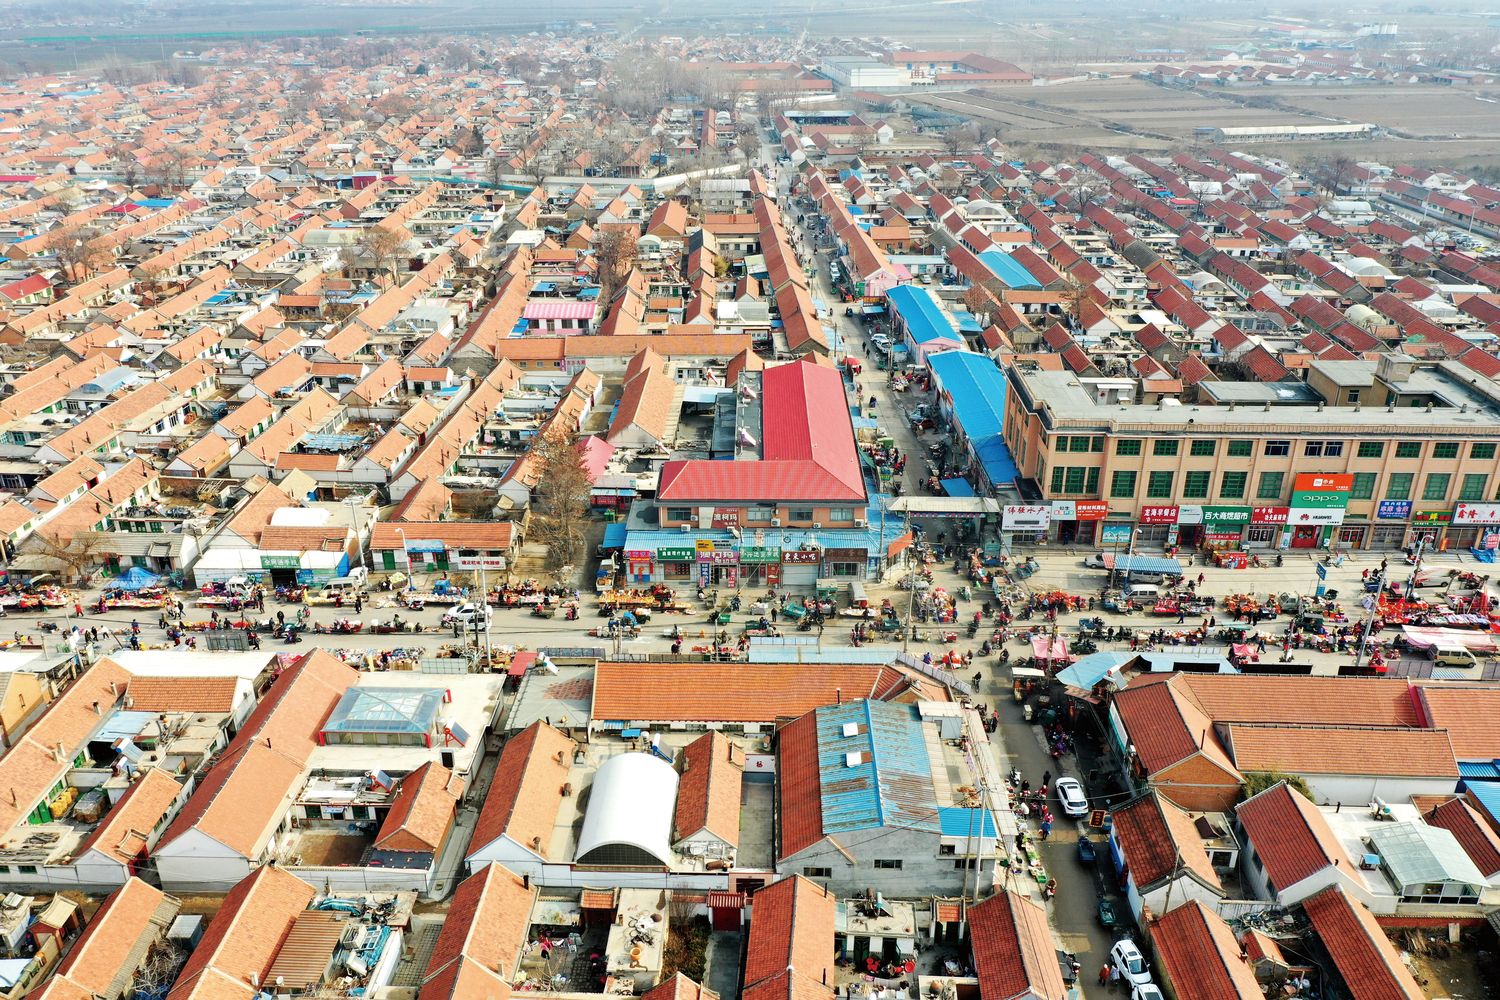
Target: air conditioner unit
x=817, y=524
x=860, y=522
x=775, y=522
x=685, y=528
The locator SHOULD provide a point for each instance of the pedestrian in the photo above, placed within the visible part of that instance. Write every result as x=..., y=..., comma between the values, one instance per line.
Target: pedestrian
x=1181, y=616
x=359, y=604
x=1046, y=828
x=1046, y=778
x=1104, y=974
x=77, y=610
x=1020, y=840
x=1114, y=976
x=1200, y=579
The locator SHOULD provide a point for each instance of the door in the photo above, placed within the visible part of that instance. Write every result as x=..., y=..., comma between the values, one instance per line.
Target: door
x=1305, y=536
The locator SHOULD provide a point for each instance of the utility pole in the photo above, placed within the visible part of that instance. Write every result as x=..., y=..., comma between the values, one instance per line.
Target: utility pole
x=1364, y=637
x=1411, y=584
x=911, y=601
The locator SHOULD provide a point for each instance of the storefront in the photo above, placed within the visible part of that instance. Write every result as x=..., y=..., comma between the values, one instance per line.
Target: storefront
x=1158, y=525
x=1222, y=527
x=718, y=563
x=1390, y=527
x=1025, y=524
x=1317, y=509
x=640, y=565
x=1432, y=525
x=800, y=568
x=1077, y=521
x=1472, y=524
x=1352, y=534
x=677, y=564
x=760, y=566
x=1266, y=526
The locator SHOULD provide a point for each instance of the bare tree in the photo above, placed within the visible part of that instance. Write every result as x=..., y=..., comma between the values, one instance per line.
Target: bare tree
x=169, y=169
x=75, y=557
x=1333, y=172
x=614, y=252
x=78, y=250
x=560, y=501
x=378, y=248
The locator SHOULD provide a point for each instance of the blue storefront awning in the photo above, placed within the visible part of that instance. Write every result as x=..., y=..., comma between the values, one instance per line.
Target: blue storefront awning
x=614, y=535
x=957, y=488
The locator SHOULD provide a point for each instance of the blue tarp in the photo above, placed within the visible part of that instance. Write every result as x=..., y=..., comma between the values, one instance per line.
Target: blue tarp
x=136, y=578
x=1010, y=273
x=957, y=488
x=977, y=388
x=924, y=320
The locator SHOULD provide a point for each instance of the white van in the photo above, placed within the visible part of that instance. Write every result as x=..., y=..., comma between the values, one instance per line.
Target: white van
x=1142, y=592
x=1454, y=656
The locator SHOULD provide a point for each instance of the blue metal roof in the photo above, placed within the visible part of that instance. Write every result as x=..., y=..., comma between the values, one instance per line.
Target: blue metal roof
x=977, y=388
x=1487, y=793
x=614, y=535
x=1482, y=770
x=957, y=821
x=924, y=318
x=891, y=783
x=1010, y=273
x=957, y=487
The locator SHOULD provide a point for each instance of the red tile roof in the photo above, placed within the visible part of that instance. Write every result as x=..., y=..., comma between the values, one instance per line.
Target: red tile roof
x=798, y=786
x=1290, y=836
x=526, y=792
x=807, y=447
x=244, y=936
x=1359, y=750
x=475, y=957
x=1474, y=835
x=1014, y=954
x=1156, y=837
x=1365, y=958
x=1198, y=955
x=791, y=932
x=708, y=789
x=422, y=812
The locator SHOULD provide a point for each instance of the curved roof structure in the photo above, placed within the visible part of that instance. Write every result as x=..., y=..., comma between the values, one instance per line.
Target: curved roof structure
x=629, y=818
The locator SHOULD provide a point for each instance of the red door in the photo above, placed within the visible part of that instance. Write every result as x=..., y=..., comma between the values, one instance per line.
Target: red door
x=1305, y=536
x=726, y=908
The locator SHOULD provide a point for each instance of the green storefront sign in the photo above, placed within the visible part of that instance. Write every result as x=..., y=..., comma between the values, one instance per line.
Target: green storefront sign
x=759, y=554
x=677, y=554
x=1225, y=517
x=1319, y=500
x=280, y=562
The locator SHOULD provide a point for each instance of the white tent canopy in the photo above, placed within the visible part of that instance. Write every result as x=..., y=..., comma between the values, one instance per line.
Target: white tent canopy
x=629, y=818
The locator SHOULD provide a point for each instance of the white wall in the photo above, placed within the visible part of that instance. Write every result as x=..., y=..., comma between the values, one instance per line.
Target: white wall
x=1361, y=790
x=196, y=862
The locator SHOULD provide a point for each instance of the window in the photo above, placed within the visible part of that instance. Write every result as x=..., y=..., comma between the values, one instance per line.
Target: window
x=889, y=864
x=1159, y=486
x=1371, y=449
x=1270, y=486
x=1408, y=449
x=1435, y=486
x=759, y=515
x=1278, y=448
x=1074, y=479
x=1351, y=397
x=1096, y=443
x=1195, y=485
x=1164, y=447
x=848, y=569
x=818, y=872
x=1128, y=446
x=1202, y=447
x=1445, y=449
x=1473, y=486
x=1122, y=485
x=1482, y=450
x=1078, y=444
x=1323, y=449
x=1398, y=487
x=679, y=513
x=1241, y=449
x=800, y=514
x=966, y=863
x=839, y=515
x=1364, y=486
x=1232, y=486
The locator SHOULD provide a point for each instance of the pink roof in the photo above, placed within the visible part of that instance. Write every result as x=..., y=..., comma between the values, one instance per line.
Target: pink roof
x=807, y=451
x=560, y=309
x=595, y=453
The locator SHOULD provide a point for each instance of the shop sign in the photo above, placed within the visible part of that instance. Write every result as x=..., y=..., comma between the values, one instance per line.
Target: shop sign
x=1323, y=500
x=424, y=545
x=1159, y=514
x=704, y=545
x=1268, y=515
x=705, y=574
x=639, y=555
x=479, y=562
x=801, y=556
x=1190, y=513
x=1433, y=516
x=726, y=517
x=1477, y=513
x=1393, y=510
x=1316, y=515
x=1063, y=510
x=1225, y=519
x=719, y=556
x=1026, y=517
x=1114, y=533
x=1323, y=482
x=1090, y=510
x=280, y=562
x=675, y=554
x=759, y=554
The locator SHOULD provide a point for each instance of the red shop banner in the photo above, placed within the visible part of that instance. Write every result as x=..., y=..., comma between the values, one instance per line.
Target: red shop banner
x=1159, y=514
x=1090, y=510
x=1269, y=515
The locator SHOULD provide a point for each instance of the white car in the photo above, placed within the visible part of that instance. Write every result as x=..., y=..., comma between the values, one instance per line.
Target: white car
x=1095, y=561
x=1070, y=796
x=467, y=614
x=1132, y=964
x=1146, y=991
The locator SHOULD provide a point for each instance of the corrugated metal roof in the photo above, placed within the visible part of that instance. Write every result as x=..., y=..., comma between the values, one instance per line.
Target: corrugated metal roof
x=888, y=783
x=308, y=951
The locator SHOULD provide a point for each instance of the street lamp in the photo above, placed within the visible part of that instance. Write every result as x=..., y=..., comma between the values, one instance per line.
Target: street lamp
x=1416, y=568
x=406, y=554
x=1130, y=557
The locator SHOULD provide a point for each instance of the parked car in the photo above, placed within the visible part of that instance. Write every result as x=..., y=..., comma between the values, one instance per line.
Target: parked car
x=1095, y=561
x=1107, y=917
x=467, y=614
x=1086, y=853
x=1132, y=964
x=1146, y=991
x=1070, y=796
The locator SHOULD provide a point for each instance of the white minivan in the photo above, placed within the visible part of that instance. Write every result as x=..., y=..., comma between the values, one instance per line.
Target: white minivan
x=1142, y=591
